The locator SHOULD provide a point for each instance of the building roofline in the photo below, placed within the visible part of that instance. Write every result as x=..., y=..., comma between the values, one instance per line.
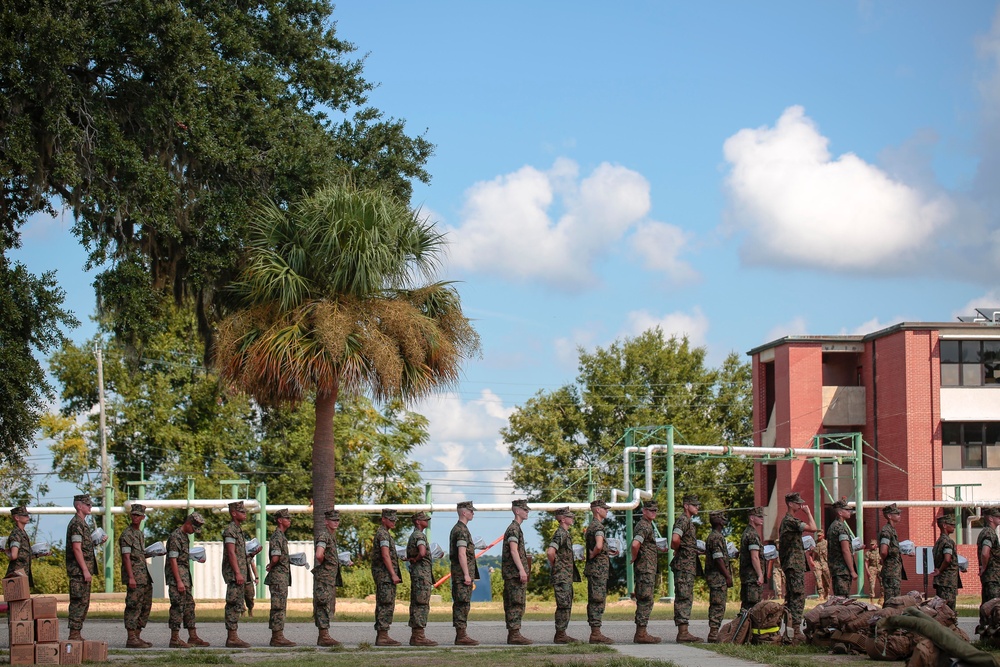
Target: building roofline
x=880, y=333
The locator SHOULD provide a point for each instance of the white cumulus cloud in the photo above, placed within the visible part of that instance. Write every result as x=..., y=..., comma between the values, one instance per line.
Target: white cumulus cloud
x=549, y=226
x=660, y=245
x=802, y=206
x=694, y=325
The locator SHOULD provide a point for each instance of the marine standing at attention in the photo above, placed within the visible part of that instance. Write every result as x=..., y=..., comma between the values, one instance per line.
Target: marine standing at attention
x=326, y=576
x=418, y=555
x=597, y=570
x=464, y=571
x=235, y=572
x=135, y=574
x=645, y=563
x=683, y=541
x=751, y=560
x=385, y=572
x=793, y=559
x=279, y=578
x=560, y=555
x=514, y=569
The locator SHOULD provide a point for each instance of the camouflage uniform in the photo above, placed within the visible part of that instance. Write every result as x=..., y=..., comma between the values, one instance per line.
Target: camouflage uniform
x=684, y=566
x=138, y=600
x=872, y=564
x=946, y=581
x=892, y=566
x=646, y=564
x=19, y=538
x=461, y=594
x=840, y=571
x=421, y=578
x=597, y=570
x=385, y=588
x=325, y=576
x=990, y=578
x=278, y=579
x=181, y=604
x=749, y=588
x=235, y=594
x=79, y=590
x=513, y=590
x=715, y=547
x=824, y=584
x=777, y=578
x=793, y=564
x=562, y=576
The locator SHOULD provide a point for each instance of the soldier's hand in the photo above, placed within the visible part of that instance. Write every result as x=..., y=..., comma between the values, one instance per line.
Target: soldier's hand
x=854, y=575
x=87, y=577
x=468, y=581
x=729, y=582
x=396, y=580
x=181, y=587
x=760, y=580
x=524, y=577
x=240, y=580
x=132, y=584
x=267, y=568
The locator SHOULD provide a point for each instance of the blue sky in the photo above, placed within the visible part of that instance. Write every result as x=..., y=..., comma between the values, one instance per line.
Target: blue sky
x=730, y=171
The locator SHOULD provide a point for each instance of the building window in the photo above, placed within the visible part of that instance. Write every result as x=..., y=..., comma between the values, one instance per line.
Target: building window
x=970, y=445
x=970, y=363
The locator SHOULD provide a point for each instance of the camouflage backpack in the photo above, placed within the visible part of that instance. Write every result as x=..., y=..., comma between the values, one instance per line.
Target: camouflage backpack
x=767, y=617
x=989, y=622
x=736, y=631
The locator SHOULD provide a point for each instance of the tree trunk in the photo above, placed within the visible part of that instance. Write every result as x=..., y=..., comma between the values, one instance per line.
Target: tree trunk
x=324, y=460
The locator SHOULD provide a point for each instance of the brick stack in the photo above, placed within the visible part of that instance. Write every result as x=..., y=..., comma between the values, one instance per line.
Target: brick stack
x=34, y=630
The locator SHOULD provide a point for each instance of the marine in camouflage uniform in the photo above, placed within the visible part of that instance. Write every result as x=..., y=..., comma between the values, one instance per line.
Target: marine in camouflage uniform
x=597, y=570
x=19, y=541
x=514, y=569
x=842, y=570
x=777, y=576
x=892, y=560
x=385, y=572
x=179, y=583
x=946, y=580
x=645, y=563
x=418, y=555
x=988, y=551
x=279, y=578
x=717, y=574
x=683, y=541
x=872, y=565
x=824, y=583
x=135, y=574
x=326, y=573
x=464, y=571
x=751, y=560
x=81, y=565
x=560, y=555
x=236, y=573
x=793, y=559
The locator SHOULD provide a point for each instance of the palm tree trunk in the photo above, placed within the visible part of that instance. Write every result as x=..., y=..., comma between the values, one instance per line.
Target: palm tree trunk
x=324, y=459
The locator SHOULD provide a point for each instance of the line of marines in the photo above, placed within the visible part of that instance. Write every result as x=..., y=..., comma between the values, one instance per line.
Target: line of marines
x=833, y=566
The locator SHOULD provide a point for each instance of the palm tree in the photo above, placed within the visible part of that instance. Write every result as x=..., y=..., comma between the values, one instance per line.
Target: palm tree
x=335, y=295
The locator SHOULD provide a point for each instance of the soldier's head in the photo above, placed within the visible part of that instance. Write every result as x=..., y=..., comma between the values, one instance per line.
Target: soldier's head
x=283, y=519
x=691, y=504
x=332, y=520
x=565, y=517
x=421, y=520
x=794, y=502
x=718, y=519
x=238, y=511
x=756, y=518
x=891, y=513
x=520, y=509
x=137, y=513
x=819, y=535
x=649, y=510
x=193, y=523
x=82, y=503
x=389, y=518
x=20, y=516
x=842, y=509
x=991, y=516
x=946, y=522
x=599, y=509
x=466, y=511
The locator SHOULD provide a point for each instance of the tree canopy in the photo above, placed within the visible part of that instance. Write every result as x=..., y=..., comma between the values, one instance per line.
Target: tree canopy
x=160, y=123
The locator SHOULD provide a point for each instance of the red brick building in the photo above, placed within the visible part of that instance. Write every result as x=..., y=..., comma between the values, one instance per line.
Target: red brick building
x=924, y=396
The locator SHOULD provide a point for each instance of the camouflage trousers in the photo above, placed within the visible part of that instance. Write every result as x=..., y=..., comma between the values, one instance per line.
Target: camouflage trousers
x=279, y=602
x=461, y=596
x=824, y=583
x=514, y=600
x=79, y=602
x=324, y=602
x=683, y=596
x=138, y=602
x=645, y=585
x=842, y=585
x=890, y=587
x=871, y=574
x=750, y=592
x=420, y=601
x=181, y=607
x=991, y=589
x=795, y=595
x=778, y=582
x=385, y=604
x=597, y=596
x=564, y=603
x=716, y=605
x=948, y=594
x=236, y=597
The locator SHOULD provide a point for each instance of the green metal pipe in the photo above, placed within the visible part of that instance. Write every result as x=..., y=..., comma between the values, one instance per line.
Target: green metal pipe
x=670, y=504
x=629, y=571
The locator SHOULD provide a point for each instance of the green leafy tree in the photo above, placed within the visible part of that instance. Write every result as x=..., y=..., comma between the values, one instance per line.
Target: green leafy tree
x=331, y=299
x=160, y=122
x=31, y=321
x=557, y=438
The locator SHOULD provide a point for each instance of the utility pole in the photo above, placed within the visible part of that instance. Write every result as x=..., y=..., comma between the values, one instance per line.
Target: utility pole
x=106, y=490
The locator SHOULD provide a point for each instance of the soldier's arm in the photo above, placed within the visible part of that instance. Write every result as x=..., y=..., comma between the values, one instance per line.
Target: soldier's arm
x=810, y=522
x=463, y=562
x=234, y=562
x=515, y=556
x=755, y=561
x=984, y=557
x=845, y=549
x=177, y=573
x=387, y=561
x=78, y=555
x=598, y=545
x=675, y=537
x=883, y=547
x=126, y=552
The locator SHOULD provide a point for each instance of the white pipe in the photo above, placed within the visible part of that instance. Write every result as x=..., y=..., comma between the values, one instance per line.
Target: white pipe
x=251, y=505
x=929, y=503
